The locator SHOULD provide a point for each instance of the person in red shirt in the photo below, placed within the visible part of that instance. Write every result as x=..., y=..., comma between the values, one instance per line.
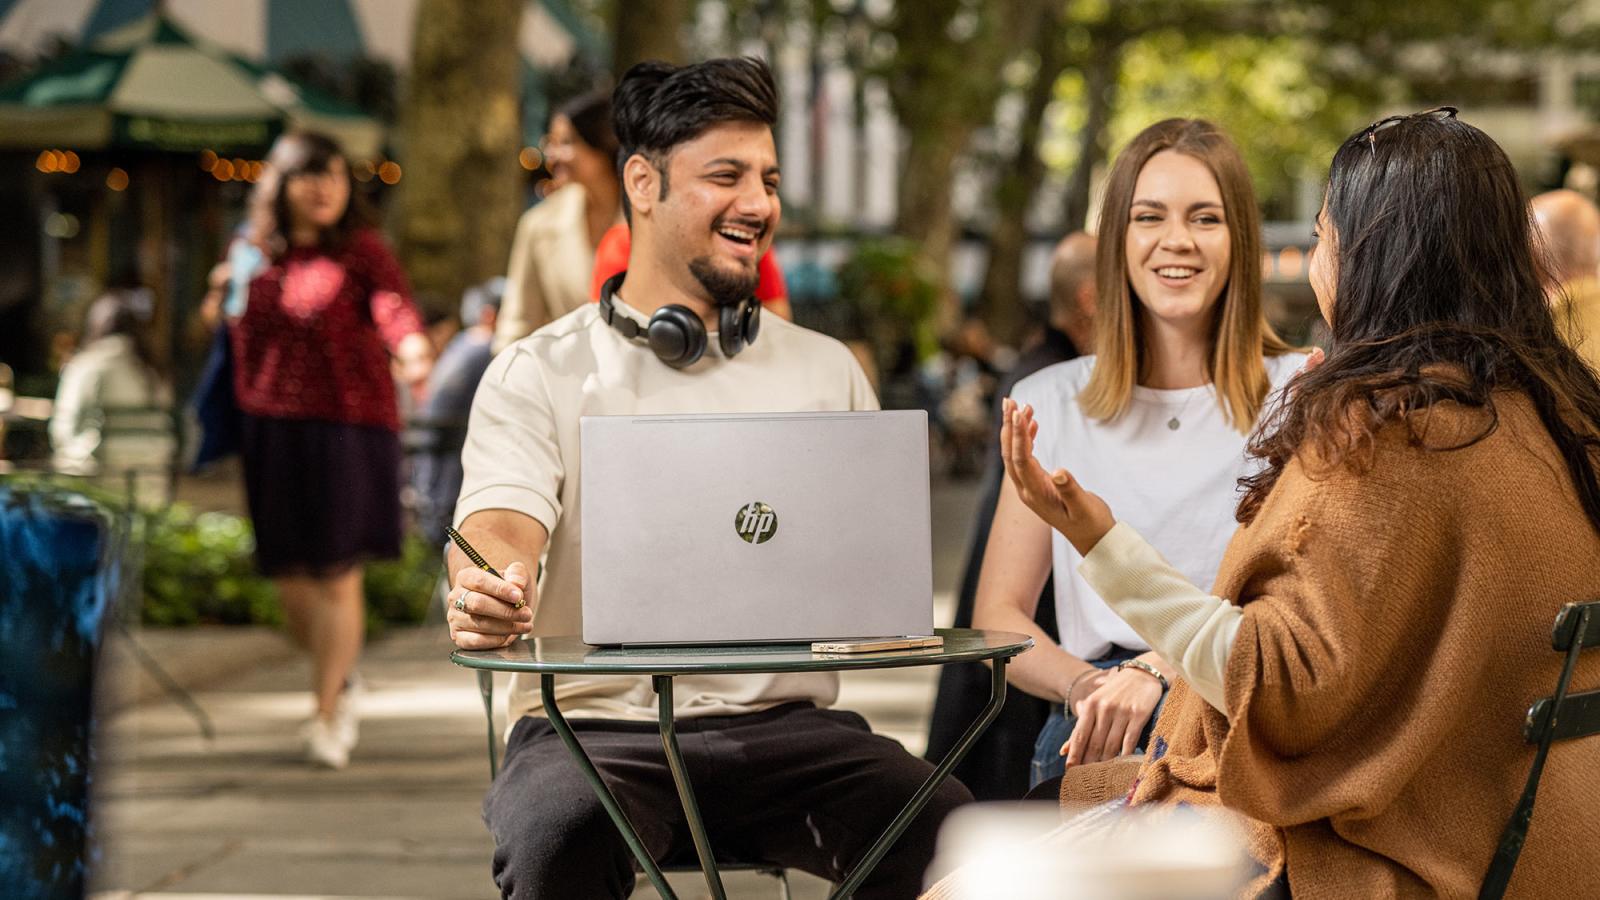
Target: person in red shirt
x=611, y=257
x=325, y=303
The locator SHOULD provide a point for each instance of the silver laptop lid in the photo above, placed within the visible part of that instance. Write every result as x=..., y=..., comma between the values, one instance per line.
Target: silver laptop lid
x=756, y=527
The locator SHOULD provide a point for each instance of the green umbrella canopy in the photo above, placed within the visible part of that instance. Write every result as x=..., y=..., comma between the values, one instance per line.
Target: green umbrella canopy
x=150, y=85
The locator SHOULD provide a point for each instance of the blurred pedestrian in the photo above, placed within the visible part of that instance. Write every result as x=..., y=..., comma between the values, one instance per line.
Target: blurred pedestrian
x=997, y=766
x=1184, y=364
x=326, y=305
x=113, y=409
x=1569, y=224
x=442, y=423
x=553, y=251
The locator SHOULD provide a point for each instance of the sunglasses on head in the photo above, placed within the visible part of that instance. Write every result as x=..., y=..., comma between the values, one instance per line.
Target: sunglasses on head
x=1370, y=135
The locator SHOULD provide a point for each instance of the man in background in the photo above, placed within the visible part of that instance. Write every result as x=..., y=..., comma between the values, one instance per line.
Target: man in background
x=997, y=767
x=442, y=420
x=1570, y=226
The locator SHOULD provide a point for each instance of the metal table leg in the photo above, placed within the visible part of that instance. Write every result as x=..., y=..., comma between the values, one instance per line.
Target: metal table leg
x=547, y=689
x=997, y=699
x=486, y=689
x=680, y=777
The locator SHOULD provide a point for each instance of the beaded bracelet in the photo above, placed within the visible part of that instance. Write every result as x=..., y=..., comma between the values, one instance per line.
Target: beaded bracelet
x=1074, y=685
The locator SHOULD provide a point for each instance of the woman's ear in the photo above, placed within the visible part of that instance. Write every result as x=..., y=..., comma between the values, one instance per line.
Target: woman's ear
x=641, y=179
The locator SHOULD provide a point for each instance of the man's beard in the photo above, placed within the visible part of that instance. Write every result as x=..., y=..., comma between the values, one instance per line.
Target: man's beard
x=725, y=288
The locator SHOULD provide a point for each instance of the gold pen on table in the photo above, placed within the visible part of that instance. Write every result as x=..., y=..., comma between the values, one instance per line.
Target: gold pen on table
x=476, y=557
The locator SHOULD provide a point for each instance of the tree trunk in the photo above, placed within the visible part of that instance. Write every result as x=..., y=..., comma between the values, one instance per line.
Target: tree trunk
x=647, y=29
x=1100, y=76
x=462, y=186
x=943, y=86
x=1001, y=299
x=925, y=215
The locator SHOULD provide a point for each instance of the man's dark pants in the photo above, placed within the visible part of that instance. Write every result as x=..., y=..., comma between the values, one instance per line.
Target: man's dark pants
x=805, y=788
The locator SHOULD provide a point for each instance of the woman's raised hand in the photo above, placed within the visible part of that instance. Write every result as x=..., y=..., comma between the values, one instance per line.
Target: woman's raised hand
x=1057, y=498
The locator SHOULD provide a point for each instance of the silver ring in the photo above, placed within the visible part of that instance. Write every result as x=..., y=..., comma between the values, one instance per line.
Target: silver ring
x=461, y=601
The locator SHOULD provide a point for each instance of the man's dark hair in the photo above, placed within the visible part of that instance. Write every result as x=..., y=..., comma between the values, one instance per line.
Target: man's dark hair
x=658, y=106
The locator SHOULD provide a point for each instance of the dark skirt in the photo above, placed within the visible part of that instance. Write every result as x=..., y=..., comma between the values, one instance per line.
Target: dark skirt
x=323, y=496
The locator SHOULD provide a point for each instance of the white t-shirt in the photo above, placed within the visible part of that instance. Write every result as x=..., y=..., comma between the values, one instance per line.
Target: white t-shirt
x=1177, y=487
x=521, y=454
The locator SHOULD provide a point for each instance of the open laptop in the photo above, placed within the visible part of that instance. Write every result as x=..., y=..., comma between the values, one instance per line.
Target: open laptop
x=756, y=527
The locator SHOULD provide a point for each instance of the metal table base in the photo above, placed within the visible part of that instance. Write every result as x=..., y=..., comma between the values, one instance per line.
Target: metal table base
x=691, y=808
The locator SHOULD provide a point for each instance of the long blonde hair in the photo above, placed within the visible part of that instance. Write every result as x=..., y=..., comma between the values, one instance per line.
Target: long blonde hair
x=1240, y=334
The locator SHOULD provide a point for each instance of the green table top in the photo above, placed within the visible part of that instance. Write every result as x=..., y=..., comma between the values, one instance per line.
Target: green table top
x=570, y=656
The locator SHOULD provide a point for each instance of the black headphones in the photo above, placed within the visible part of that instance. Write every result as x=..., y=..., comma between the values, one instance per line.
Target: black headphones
x=676, y=333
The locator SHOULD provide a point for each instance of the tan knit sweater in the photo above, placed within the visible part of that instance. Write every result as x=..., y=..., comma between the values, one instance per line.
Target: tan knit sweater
x=1396, y=628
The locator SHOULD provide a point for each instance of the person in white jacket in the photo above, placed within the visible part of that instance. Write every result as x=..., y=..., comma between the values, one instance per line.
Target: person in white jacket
x=113, y=409
x=552, y=253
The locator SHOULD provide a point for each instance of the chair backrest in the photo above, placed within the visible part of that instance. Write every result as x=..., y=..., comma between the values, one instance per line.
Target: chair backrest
x=141, y=441
x=1561, y=716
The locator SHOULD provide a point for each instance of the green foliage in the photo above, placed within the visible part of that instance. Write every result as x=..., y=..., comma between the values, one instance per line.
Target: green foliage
x=895, y=293
x=400, y=590
x=1264, y=91
x=198, y=567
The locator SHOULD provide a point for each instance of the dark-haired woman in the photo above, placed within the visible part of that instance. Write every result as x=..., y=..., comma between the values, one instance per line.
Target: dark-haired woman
x=325, y=305
x=1428, y=502
x=554, y=248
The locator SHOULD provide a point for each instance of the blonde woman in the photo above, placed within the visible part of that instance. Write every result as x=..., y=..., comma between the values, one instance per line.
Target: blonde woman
x=1184, y=362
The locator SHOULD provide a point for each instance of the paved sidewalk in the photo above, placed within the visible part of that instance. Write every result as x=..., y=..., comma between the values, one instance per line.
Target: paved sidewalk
x=245, y=817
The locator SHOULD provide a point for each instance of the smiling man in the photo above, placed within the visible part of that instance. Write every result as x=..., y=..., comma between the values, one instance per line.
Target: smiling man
x=779, y=777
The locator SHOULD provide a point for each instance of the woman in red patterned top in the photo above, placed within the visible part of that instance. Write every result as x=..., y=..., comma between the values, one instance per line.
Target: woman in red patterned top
x=326, y=305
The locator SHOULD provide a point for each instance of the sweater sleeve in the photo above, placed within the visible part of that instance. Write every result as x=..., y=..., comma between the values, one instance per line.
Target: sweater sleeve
x=1190, y=628
x=388, y=291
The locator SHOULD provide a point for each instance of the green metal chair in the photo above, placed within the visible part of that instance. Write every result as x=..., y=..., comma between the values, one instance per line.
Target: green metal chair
x=1559, y=717
x=690, y=864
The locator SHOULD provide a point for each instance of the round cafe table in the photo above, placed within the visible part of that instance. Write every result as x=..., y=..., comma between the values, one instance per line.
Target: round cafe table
x=548, y=657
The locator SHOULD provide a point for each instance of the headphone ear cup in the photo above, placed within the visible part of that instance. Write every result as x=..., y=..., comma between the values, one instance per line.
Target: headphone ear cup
x=751, y=325
x=677, y=336
x=739, y=326
x=730, y=330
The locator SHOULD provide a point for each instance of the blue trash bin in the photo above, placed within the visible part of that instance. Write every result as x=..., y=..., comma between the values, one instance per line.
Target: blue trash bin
x=59, y=566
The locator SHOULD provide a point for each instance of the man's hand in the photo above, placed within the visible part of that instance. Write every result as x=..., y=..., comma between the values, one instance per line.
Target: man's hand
x=485, y=612
x=1111, y=719
x=1083, y=518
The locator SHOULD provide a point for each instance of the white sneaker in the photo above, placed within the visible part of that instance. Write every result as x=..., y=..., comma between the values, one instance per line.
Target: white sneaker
x=325, y=746
x=347, y=712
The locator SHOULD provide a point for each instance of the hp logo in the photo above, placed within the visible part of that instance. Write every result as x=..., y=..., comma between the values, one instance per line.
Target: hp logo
x=756, y=523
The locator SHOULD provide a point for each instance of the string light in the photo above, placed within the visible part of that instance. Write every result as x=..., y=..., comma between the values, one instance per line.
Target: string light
x=530, y=158
x=208, y=160
x=52, y=162
x=117, y=179
x=223, y=170
x=389, y=172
